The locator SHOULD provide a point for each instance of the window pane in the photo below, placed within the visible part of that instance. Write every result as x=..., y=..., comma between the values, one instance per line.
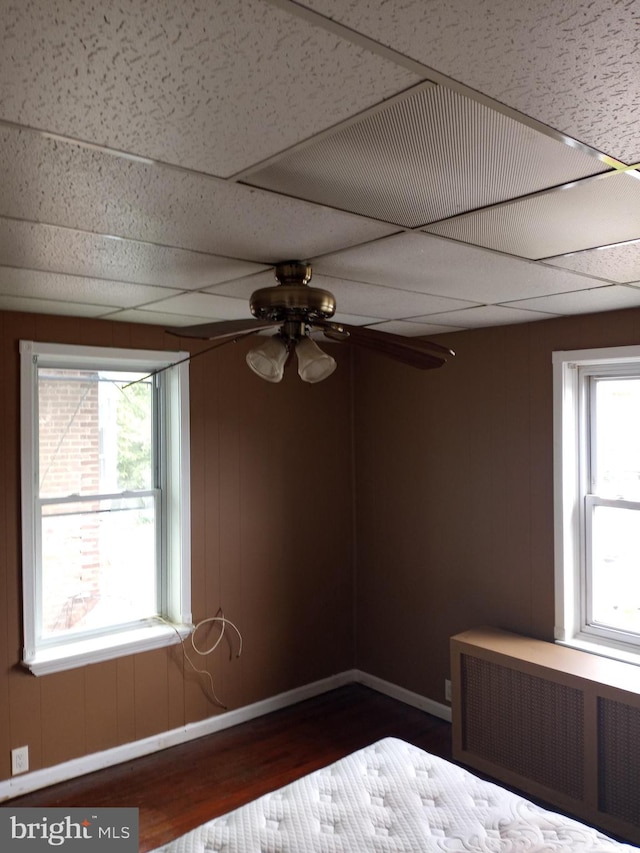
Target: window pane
x=617, y=434
x=616, y=568
x=95, y=434
x=98, y=564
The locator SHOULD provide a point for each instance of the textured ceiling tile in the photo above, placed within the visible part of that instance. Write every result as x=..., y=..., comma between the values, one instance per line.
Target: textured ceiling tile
x=442, y=267
x=593, y=212
x=206, y=306
x=427, y=156
x=608, y=298
x=154, y=318
x=72, y=288
x=356, y=297
x=409, y=328
x=213, y=86
x=45, y=180
x=573, y=66
x=242, y=288
x=620, y=263
x=354, y=319
x=46, y=247
x=51, y=306
x=487, y=315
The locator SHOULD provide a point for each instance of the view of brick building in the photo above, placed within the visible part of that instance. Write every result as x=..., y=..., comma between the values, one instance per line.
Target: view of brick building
x=98, y=551
x=69, y=464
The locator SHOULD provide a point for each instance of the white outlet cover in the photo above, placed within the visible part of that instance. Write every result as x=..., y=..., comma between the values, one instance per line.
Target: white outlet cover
x=19, y=760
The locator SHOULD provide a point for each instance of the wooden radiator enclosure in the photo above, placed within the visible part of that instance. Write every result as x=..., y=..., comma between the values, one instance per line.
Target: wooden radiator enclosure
x=559, y=724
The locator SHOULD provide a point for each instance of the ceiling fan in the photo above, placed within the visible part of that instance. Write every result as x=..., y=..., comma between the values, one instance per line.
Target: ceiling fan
x=297, y=309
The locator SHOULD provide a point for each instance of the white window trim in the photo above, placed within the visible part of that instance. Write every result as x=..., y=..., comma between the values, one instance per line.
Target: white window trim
x=156, y=633
x=569, y=545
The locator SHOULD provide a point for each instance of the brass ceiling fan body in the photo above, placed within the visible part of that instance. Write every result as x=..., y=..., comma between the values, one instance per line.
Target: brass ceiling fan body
x=297, y=309
x=292, y=302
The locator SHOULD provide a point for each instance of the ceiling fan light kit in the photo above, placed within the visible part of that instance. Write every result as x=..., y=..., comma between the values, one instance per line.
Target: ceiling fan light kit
x=295, y=309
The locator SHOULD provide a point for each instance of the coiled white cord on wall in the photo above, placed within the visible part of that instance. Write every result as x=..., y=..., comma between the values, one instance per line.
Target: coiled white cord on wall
x=204, y=652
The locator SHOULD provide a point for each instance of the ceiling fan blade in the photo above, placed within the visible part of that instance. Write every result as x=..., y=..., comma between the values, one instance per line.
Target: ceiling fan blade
x=413, y=351
x=223, y=329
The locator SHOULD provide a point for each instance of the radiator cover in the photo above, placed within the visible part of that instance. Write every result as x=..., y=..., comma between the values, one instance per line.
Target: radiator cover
x=559, y=724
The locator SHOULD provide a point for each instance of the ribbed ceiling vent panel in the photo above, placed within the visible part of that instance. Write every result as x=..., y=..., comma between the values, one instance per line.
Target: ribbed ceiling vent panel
x=427, y=156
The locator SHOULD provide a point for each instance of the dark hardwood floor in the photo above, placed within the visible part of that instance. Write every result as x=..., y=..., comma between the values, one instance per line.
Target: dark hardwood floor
x=181, y=787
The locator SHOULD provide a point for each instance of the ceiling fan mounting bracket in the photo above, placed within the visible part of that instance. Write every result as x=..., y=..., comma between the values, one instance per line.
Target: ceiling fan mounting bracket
x=293, y=272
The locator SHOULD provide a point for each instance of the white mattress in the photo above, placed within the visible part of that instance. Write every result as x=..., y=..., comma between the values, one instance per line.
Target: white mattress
x=391, y=796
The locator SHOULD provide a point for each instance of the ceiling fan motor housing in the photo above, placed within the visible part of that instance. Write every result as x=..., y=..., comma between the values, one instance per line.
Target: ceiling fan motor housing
x=292, y=298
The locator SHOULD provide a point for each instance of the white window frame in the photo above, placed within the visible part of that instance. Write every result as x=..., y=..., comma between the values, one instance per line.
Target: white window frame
x=572, y=504
x=176, y=532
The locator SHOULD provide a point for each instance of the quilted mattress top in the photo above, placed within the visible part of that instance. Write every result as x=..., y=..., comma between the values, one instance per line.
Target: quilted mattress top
x=389, y=797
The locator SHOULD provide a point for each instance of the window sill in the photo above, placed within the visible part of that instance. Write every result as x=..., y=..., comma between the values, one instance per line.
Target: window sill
x=97, y=649
x=612, y=651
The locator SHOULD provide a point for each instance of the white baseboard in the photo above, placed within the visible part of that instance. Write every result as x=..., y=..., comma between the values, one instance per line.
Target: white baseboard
x=27, y=782
x=436, y=709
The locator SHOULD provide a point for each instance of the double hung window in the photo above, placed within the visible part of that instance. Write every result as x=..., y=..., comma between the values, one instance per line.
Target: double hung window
x=597, y=475
x=105, y=503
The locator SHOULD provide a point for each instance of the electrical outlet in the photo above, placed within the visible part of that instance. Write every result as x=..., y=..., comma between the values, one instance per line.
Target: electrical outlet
x=447, y=690
x=19, y=760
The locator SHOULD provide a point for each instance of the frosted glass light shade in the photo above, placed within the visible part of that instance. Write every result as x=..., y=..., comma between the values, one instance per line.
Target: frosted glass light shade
x=268, y=359
x=313, y=364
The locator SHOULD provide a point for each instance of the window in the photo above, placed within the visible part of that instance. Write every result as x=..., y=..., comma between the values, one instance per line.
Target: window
x=105, y=502
x=597, y=500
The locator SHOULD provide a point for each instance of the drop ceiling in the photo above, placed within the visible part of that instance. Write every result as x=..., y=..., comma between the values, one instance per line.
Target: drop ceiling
x=443, y=165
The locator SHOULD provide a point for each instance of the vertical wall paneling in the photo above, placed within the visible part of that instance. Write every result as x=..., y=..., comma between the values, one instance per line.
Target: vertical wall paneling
x=5, y=727
x=224, y=588
x=151, y=680
x=101, y=703
x=455, y=493
x=175, y=687
x=125, y=687
x=63, y=731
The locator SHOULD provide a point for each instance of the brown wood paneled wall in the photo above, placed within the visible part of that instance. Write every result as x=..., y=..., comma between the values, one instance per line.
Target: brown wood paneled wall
x=271, y=545
x=454, y=493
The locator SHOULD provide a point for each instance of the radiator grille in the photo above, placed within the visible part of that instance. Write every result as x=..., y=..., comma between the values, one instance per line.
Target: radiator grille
x=618, y=746
x=526, y=724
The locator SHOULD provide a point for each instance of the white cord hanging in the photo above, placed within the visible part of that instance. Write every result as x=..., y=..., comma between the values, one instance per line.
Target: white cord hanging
x=223, y=619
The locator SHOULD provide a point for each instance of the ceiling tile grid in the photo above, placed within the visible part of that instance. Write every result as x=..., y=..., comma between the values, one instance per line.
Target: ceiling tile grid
x=619, y=263
x=45, y=180
x=608, y=298
x=36, y=246
x=156, y=160
x=35, y=284
x=583, y=215
x=38, y=305
x=204, y=305
x=413, y=328
x=153, y=318
x=428, y=264
x=488, y=315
